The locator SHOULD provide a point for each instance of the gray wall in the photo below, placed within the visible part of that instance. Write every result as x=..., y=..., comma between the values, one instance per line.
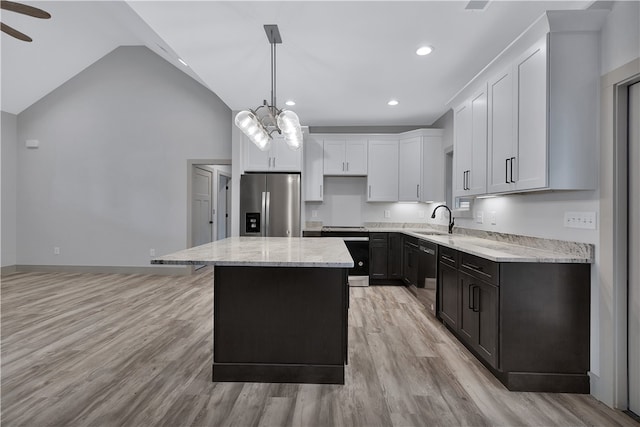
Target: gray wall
x=9, y=156
x=109, y=180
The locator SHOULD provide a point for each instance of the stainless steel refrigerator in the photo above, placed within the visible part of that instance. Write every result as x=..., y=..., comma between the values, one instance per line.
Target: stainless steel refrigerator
x=270, y=205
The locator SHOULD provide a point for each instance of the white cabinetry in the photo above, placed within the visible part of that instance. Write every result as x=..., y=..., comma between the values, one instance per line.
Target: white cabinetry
x=410, y=177
x=517, y=146
x=433, y=159
x=421, y=176
x=312, y=175
x=542, y=111
x=279, y=157
x=382, y=179
x=345, y=157
x=470, y=146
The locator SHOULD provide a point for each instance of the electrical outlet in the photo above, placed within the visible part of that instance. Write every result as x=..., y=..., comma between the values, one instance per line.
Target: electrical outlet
x=56, y=250
x=492, y=217
x=387, y=214
x=479, y=217
x=152, y=252
x=314, y=214
x=580, y=220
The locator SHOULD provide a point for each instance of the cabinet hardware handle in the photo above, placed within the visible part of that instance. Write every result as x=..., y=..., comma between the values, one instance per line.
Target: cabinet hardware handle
x=476, y=308
x=418, y=191
x=342, y=166
x=511, y=166
x=506, y=170
x=369, y=191
x=473, y=267
x=274, y=162
x=464, y=180
x=471, y=303
x=448, y=258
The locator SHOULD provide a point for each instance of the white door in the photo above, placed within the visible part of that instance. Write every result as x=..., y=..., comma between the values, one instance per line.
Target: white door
x=634, y=249
x=202, y=221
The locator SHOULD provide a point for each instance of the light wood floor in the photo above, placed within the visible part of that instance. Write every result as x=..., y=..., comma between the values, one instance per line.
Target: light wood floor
x=97, y=349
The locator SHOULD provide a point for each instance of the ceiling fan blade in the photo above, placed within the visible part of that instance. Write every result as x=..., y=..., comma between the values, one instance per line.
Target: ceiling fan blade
x=24, y=9
x=14, y=33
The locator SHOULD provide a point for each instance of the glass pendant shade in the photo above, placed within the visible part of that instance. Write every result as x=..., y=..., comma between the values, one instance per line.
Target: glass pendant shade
x=289, y=125
x=253, y=129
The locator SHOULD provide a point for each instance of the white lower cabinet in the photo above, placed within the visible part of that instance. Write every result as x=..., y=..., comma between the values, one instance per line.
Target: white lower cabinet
x=382, y=179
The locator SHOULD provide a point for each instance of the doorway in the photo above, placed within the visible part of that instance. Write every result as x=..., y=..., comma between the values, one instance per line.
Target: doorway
x=633, y=242
x=209, y=190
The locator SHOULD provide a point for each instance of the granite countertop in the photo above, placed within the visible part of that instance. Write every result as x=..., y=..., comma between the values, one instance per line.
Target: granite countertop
x=500, y=251
x=265, y=252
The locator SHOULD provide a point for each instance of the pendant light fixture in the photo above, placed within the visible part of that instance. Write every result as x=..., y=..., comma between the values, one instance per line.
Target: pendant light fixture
x=261, y=123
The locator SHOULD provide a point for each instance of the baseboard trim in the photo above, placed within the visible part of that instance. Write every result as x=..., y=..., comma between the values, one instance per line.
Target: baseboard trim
x=8, y=270
x=100, y=269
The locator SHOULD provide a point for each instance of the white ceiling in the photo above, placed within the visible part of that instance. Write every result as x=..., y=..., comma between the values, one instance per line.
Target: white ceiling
x=341, y=61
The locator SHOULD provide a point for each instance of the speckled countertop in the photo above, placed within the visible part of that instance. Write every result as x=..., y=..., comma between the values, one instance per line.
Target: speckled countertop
x=265, y=252
x=497, y=247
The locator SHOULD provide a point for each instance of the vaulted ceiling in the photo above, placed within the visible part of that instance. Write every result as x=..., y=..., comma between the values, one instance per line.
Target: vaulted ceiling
x=340, y=61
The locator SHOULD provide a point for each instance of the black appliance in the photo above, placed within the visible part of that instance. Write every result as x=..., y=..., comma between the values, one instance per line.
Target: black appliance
x=427, y=272
x=357, y=241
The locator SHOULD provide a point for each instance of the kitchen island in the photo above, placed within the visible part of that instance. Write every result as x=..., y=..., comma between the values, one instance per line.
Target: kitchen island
x=280, y=307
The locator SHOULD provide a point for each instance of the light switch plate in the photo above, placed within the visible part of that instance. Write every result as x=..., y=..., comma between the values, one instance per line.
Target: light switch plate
x=580, y=220
x=479, y=217
x=387, y=214
x=492, y=217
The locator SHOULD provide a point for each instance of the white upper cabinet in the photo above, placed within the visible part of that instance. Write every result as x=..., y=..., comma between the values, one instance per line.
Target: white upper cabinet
x=313, y=173
x=421, y=175
x=501, y=146
x=528, y=167
x=382, y=179
x=543, y=99
x=345, y=157
x=410, y=178
x=279, y=157
x=470, y=146
x=433, y=159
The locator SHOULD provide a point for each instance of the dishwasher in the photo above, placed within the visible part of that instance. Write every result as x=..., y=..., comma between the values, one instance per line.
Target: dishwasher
x=428, y=275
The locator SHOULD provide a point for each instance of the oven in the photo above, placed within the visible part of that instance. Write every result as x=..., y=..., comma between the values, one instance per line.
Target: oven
x=357, y=241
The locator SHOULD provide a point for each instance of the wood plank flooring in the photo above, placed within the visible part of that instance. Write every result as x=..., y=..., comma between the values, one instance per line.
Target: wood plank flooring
x=136, y=350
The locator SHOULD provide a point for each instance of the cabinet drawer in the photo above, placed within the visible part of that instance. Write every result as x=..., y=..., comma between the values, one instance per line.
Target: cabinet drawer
x=448, y=256
x=378, y=238
x=479, y=267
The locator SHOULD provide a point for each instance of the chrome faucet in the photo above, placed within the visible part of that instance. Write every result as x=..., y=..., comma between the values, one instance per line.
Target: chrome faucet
x=451, y=223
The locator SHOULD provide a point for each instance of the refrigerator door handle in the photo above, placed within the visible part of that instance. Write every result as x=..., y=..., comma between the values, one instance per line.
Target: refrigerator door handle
x=267, y=210
x=263, y=210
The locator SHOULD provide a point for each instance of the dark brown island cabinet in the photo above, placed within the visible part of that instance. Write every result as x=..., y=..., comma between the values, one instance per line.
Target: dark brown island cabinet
x=528, y=323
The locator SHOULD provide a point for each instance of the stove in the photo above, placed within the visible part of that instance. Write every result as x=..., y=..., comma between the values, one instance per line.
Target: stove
x=344, y=231
x=357, y=241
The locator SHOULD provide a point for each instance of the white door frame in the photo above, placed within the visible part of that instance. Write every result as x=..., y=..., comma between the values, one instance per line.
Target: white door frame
x=220, y=173
x=619, y=247
x=190, y=165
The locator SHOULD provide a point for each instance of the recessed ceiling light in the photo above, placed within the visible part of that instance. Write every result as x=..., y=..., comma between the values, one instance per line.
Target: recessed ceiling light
x=290, y=103
x=393, y=102
x=424, y=50
x=182, y=62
